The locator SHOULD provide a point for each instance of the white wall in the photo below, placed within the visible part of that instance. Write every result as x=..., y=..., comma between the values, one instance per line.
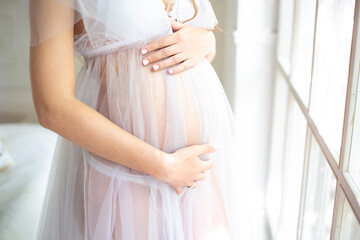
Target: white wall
x=247, y=74
x=255, y=39
x=15, y=95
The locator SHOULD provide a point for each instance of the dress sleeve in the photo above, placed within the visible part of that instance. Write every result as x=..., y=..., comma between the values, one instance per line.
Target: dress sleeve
x=112, y=20
x=50, y=18
x=184, y=10
x=103, y=20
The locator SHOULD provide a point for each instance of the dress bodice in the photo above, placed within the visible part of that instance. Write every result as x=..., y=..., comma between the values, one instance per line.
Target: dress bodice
x=126, y=24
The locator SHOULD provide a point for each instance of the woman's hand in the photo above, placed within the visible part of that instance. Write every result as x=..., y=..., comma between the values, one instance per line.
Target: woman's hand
x=183, y=167
x=187, y=46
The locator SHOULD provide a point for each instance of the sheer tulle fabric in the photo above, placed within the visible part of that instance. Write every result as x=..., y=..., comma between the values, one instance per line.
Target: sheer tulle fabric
x=109, y=21
x=89, y=197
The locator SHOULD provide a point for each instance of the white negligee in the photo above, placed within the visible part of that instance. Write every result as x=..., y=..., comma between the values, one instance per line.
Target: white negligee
x=89, y=197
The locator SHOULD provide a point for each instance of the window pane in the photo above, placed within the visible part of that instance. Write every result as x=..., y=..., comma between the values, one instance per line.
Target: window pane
x=331, y=64
x=319, y=198
x=286, y=15
x=349, y=226
x=354, y=163
x=292, y=170
x=301, y=62
x=273, y=196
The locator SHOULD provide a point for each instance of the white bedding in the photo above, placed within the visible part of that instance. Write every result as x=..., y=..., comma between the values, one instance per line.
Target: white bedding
x=22, y=185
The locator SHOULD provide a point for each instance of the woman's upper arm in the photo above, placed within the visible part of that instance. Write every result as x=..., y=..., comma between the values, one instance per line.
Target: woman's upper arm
x=52, y=67
x=52, y=74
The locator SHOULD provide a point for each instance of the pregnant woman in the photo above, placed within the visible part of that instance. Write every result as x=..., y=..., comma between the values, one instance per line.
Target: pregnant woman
x=146, y=145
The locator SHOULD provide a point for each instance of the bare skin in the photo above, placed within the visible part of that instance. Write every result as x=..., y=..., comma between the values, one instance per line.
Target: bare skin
x=52, y=71
x=186, y=47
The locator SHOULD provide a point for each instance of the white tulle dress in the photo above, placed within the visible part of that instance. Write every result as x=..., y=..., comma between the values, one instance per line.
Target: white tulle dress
x=89, y=197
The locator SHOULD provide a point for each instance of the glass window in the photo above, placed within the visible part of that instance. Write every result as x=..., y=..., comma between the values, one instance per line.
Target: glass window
x=313, y=55
x=285, y=26
x=303, y=44
x=319, y=196
x=354, y=161
x=273, y=195
x=347, y=225
x=291, y=172
x=330, y=72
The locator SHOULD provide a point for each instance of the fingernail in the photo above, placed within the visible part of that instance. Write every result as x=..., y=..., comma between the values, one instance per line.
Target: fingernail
x=143, y=51
x=155, y=67
x=145, y=62
x=170, y=71
x=215, y=146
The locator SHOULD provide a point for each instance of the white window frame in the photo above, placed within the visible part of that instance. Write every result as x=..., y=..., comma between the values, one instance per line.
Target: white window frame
x=345, y=183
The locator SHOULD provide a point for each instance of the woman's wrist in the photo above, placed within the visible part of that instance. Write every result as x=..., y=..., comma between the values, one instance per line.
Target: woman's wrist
x=163, y=165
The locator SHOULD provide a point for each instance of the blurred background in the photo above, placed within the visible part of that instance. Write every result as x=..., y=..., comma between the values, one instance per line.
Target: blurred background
x=290, y=69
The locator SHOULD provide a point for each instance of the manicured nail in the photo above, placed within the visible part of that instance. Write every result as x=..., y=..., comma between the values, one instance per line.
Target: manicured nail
x=155, y=67
x=170, y=71
x=143, y=51
x=215, y=146
x=145, y=62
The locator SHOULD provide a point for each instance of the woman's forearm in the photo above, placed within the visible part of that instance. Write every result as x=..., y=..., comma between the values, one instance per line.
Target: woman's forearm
x=52, y=71
x=87, y=128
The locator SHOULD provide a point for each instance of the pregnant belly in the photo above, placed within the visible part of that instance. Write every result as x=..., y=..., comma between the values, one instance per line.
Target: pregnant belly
x=167, y=111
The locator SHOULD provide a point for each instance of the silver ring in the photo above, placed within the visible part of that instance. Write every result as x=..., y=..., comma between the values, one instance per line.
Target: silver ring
x=193, y=185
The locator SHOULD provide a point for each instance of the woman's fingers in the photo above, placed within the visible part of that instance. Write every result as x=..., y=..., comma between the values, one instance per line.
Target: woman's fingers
x=189, y=63
x=158, y=44
x=207, y=165
x=178, y=189
x=178, y=58
x=161, y=54
x=195, y=43
x=201, y=176
x=203, y=148
x=176, y=25
x=187, y=167
x=165, y=41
